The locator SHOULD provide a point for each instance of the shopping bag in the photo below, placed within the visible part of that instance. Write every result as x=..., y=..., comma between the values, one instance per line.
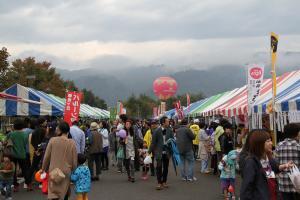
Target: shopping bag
x=295, y=177
x=148, y=160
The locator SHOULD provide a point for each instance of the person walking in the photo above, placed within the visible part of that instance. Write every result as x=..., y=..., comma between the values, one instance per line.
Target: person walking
x=104, y=132
x=203, y=148
x=82, y=179
x=184, y=141
x=259, y=180
x=78, y=136
x=95, y=150
x=130, y=150
x=161, y=151
x=60, y=158
x=288, y=150
x=19, y=143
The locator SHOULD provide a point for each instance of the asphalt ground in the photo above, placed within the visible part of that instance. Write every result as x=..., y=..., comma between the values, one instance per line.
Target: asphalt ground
x=114, y=186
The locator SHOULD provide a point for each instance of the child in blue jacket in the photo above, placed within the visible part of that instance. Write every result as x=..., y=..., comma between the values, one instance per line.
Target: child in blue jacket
x=81, y=177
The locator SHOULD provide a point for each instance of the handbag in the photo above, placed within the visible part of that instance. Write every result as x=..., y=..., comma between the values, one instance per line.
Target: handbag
x=120, y=153
x=57, y=175
x=295, y=178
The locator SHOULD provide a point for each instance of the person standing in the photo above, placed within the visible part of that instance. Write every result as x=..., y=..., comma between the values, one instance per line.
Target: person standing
x=104, y=132
x=288, y=150
x=161, y=151
x=113, y=146
x=95, y=150
x=130, y=150
x=203, y=148
x=259, y=181
x=184, y=141
x=226, y=139
x=19, y=143
x=60, y=153
x=195, y=129
x=148, y=140
x=218, y=133
x=78, y=136
x=37, y=140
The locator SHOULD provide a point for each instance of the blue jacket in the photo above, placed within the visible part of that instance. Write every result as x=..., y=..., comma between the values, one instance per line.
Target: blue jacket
x=82, y=179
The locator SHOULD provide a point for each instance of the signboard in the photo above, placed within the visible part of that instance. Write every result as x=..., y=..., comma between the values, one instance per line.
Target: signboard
x=72, y=107
x=255, y=79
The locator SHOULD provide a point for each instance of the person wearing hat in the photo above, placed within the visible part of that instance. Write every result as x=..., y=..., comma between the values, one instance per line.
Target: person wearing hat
x=95, y=150
x=195, y=129
x=148, y=140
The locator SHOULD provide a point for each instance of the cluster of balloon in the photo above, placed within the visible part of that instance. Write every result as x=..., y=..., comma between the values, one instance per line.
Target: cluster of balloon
x=164, y=87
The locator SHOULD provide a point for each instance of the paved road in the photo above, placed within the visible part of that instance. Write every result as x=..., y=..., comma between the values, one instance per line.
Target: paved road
x=114, y=186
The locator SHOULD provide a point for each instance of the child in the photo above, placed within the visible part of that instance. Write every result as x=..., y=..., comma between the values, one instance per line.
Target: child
x=82, y=179
x=143, y=154
x=228, y=167
x=120, y=154
x=7, y=169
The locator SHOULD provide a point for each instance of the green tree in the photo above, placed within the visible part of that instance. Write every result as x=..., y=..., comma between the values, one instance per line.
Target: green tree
x=38, y=75
x=4, y=68
x=91, y=99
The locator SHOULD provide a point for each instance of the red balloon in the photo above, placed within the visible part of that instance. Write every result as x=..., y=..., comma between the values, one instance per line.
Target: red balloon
x=164, y=87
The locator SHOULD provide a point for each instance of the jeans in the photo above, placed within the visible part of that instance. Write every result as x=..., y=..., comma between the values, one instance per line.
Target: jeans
x=129, y=165
x=187, y=165
x=6, y=184
x=162, y=169
x=104, y=158
x=204, y=164
x=94, y=158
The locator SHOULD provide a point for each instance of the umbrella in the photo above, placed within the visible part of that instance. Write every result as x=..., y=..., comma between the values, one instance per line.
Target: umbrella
x=175, y=153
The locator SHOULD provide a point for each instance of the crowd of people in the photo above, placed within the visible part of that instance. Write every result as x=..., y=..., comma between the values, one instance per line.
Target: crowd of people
x=78, y=155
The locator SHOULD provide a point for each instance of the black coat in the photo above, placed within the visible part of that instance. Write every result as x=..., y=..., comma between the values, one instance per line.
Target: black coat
x=157, y=145
x=255, y=183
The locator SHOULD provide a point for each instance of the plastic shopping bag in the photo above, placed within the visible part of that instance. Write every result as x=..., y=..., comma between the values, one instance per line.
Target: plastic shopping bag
x=295, y=178
x=147, y=160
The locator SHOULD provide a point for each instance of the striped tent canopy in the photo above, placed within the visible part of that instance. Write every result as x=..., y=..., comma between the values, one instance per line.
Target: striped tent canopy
x=51, y=105
x=14, y=108
x=234, y=102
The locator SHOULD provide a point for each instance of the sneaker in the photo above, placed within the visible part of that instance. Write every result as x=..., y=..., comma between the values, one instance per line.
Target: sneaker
x=8, y=198
x=165, y=185
x=194, y=179
x=190, y=180
x=159, y=187
x=25, y=186
x=183, y=179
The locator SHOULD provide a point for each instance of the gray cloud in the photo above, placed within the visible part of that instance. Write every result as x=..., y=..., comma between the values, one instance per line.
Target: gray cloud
x=144, y=20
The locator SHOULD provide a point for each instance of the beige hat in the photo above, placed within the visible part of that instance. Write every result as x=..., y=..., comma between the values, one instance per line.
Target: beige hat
x=94, y=126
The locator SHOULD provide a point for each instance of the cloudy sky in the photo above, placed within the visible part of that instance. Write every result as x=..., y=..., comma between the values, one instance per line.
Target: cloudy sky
x=75, y=34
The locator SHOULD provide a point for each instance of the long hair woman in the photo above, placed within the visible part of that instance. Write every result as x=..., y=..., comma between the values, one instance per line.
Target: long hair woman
x=259, y=180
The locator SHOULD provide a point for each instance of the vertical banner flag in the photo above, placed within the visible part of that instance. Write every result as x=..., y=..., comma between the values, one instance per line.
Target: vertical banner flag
x=72, y=107
x=113, y=113
x=179, y=110
x=163, y=107
x=155, y=112
x=188, y=102
x=274, y=44
x=255, y=78
x=120, y=110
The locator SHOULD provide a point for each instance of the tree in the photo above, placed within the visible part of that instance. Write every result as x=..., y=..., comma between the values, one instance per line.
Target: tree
x=38, y=75
x=92, y=100
x=170, y=103
x=4, y=67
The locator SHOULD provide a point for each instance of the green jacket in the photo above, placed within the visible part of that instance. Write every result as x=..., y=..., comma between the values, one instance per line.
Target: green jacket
x=19, y=141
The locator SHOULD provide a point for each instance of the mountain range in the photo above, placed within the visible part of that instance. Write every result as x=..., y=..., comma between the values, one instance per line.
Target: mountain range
x=120, y=84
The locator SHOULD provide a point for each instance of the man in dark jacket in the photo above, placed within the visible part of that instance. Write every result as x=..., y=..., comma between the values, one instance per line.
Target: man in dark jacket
x=184, y=140
x=161, y=151
x=226, y=140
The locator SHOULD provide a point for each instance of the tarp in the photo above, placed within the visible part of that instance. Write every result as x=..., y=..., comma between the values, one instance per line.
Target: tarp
x=51, y=105
x=13, y=108
x=234, y=102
